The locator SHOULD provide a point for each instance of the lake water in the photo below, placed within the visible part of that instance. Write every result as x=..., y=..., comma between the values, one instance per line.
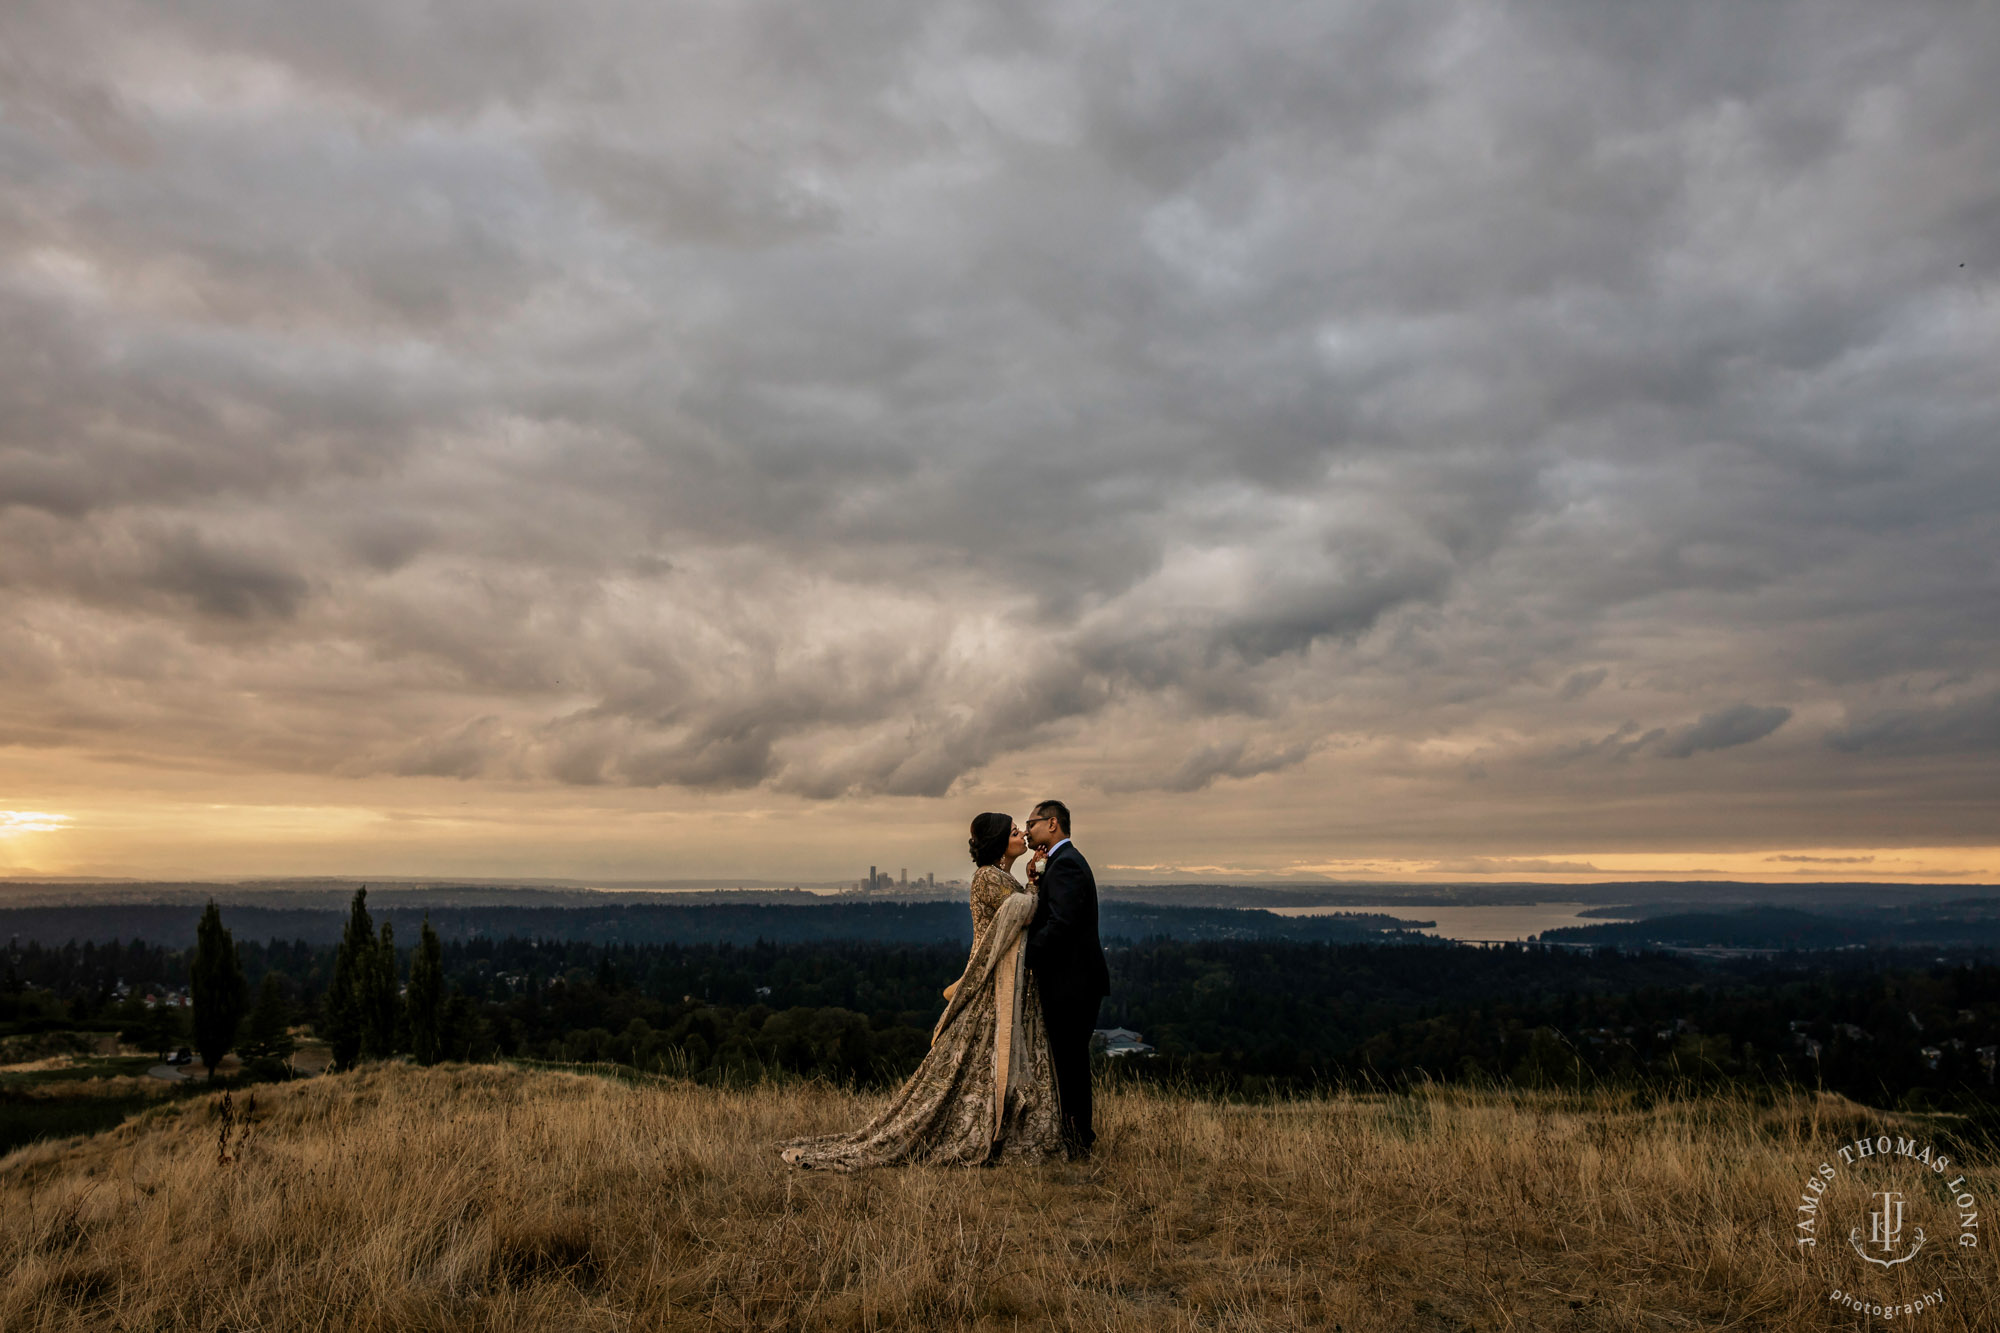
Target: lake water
x=1505, y=921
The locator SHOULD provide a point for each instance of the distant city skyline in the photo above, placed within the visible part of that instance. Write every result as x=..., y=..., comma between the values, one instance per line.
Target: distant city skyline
x=1348, y=441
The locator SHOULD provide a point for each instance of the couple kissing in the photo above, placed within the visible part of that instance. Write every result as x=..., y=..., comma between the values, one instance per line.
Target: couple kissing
x=1007, y=1077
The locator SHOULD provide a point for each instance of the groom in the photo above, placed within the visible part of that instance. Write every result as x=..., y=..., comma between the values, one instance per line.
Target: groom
x=1068, y=963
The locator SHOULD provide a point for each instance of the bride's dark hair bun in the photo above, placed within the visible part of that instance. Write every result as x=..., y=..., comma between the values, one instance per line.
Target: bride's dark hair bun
x=990, y=834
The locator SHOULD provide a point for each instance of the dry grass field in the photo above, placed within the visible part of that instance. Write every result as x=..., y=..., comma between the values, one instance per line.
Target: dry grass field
x=501, y=1198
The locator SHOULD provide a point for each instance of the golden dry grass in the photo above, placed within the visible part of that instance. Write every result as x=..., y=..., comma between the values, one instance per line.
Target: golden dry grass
x=41, y=1066
x=497, y=1198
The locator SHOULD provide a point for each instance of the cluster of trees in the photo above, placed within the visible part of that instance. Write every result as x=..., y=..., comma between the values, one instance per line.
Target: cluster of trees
x=33, y=975
x=134, y=988
x=364, y=1010
x=1882, y=1028
x=1249, y=1015
x=848, y=1011
x=365, y=1014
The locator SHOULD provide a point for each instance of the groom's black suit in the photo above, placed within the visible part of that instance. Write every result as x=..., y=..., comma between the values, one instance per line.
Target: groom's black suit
x=1068, y=963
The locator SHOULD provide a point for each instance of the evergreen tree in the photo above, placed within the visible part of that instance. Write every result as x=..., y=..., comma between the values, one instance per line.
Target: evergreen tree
x=216, y=983
x=163, y=1028
x=381, y=1007
x=461, y=1031
x=268, y=1034
x=353, y=965
x=426, y=996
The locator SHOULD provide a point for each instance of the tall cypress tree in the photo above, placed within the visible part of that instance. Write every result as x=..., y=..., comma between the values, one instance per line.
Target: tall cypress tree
x=381, y=1007
x=353, y=966
x=216, y=983
x=426, y=996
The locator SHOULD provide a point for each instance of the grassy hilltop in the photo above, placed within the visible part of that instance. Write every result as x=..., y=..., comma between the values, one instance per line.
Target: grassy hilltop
x=483, y=1197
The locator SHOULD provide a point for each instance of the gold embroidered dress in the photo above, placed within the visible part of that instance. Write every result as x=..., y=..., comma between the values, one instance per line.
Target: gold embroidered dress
x=986, y=1089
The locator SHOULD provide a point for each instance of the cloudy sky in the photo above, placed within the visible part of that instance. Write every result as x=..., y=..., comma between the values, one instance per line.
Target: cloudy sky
x=672, y=440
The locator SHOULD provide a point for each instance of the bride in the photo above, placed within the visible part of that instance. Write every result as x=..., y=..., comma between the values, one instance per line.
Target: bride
x=986, y=1091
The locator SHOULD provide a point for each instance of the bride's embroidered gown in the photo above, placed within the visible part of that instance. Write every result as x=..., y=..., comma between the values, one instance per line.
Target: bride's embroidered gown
x=986, y=1089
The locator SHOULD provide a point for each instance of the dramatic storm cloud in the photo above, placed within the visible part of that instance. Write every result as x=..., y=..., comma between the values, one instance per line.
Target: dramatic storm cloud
x=1395, y=429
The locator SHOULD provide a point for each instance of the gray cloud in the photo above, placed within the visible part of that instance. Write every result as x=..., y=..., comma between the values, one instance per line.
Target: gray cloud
x=1229, y=759
x=749, y=398
x=1724, y=730
x=1579, y=684
x=1619, y=745
x=219, y=581
x=1970, y=723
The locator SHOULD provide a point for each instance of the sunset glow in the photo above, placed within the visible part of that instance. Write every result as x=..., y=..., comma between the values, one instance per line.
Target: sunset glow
x=16, y=822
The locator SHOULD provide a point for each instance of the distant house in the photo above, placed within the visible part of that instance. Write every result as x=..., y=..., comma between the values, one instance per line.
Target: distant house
x=1118, y=1041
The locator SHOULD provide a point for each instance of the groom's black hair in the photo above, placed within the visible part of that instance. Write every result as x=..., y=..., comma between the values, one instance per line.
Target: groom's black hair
x=1059, y=810
x=990, y=835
